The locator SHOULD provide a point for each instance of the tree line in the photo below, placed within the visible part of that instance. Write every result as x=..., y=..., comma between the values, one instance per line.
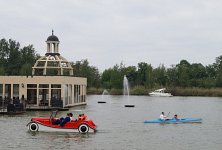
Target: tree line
x=16, y=60
x=183, y=74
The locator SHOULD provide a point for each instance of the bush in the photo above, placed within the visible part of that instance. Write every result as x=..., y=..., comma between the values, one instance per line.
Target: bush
x=139, y=90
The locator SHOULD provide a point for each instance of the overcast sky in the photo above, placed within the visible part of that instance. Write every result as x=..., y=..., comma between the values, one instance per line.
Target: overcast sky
x=108, y=32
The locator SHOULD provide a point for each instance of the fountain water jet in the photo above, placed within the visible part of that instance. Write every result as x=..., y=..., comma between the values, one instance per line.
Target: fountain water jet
x=105, y=92
x=126, y=90
x=125, y=86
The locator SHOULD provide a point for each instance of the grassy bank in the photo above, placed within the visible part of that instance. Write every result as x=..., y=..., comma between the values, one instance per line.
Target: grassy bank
x=176, y=91
x=217, y=92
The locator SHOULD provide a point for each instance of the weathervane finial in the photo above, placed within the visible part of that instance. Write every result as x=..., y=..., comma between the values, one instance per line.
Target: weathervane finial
x=52, y=31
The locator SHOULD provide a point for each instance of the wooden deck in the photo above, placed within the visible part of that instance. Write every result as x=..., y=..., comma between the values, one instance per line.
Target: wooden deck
x=45, y=108
x=11, y=113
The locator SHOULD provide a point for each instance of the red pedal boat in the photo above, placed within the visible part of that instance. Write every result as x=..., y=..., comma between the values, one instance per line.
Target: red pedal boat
x=82, y=125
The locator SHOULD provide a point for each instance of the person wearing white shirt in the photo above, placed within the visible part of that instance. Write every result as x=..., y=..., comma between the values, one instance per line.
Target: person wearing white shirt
x=70, y=115
x=162, y=116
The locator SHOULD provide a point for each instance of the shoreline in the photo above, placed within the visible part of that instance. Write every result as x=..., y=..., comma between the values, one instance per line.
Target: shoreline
x=175, y=91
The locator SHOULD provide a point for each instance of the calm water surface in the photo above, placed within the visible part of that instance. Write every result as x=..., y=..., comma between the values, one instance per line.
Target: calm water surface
x=120, y=127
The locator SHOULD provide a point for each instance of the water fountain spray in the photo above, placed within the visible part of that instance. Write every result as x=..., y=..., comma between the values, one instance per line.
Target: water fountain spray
x=126, y=90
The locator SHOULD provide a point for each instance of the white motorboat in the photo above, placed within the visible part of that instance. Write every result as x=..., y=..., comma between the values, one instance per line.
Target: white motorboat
x=160, y=92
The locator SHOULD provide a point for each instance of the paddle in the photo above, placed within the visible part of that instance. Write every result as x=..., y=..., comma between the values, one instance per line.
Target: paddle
x=168, y=114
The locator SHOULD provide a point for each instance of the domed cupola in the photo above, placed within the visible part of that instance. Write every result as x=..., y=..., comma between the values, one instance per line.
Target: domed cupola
x=52, y=45
x=52, y=37
x=52, y=63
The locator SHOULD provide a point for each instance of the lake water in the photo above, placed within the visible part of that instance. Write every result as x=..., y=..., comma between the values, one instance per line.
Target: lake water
x=122, y=127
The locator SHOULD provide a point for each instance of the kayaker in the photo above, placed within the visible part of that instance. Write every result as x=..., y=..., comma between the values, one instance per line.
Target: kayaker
x=175, y=117
x=163, y=117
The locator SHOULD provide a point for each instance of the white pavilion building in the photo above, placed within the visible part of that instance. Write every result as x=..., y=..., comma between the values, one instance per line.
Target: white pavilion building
x=52, y=83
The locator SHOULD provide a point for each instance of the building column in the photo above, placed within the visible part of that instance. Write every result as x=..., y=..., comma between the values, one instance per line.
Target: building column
x=37, y=95
x=84, y=94
x=70, y=93
x=11, y=92
x=73, y=102
x=3, y=91
x=81, y=91
x=63, y=94
x=78, y=88
x=49, y=95
x=48, y=47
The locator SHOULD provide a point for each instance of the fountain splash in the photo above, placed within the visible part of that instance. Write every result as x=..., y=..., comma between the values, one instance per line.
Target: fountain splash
x=126, y=90
x=104, y=94
x=125, y=86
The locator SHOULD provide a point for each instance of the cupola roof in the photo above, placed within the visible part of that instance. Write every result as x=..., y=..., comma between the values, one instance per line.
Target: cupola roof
x=52, y=37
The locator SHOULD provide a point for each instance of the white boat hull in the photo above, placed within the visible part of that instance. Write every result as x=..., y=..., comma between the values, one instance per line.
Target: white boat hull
x=160, y=94
x=43, y=128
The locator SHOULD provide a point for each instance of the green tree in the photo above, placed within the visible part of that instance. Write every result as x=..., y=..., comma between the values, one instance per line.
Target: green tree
x=160, y=76
x=26, y=69
x=28, y=59
x=144, y=77
x=106, y=79
x=210, y=80
x=13, y=61
x=83, y=69
x=16, y=61
x=116, y=77
x=197, y=75
x=131, y=74
x=183, y=73
x=113, y=77
x=172, y=76
x=4, y=50
x=218, y=68
x=2, y=71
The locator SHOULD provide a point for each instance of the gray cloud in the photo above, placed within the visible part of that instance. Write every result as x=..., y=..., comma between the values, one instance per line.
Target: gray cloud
x=107, y=32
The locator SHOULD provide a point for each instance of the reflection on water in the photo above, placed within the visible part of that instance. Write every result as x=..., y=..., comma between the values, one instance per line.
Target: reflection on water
x=123, y=128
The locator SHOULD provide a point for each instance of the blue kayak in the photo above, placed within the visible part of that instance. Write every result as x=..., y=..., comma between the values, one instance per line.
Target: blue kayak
x=173, y=120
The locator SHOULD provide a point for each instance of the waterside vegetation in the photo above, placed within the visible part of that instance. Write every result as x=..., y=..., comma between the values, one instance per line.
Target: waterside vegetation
x=184, y=78
x=175, y=91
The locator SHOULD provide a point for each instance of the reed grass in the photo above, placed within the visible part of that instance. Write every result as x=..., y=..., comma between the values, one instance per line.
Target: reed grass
x=215, y=92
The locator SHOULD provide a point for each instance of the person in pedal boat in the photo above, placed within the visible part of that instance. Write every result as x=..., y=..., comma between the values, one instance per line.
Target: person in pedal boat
x=70, y=115
x=57, y=121
x=62, y=121
x=82, y=117
x=67, y=119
